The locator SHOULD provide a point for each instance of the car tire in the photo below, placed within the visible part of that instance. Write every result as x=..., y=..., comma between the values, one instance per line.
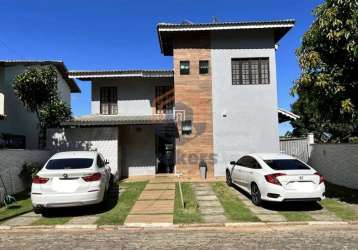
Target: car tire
x=255, y=195
x=228, y=179
x=38, y=210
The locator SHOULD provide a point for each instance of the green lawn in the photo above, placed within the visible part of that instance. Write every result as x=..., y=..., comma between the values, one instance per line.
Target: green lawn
x=235, y=210
x=118, y=214
x=23, y=205
x=189, y=214
x=296, y=216
x=51, y=221
x=341, y=210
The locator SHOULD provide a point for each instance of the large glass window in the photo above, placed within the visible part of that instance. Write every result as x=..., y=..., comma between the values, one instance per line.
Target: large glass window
x=250, y=71
x=108, y=101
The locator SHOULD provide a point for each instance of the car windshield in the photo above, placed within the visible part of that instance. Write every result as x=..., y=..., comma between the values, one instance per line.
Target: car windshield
x=286, y=164
x=69, y=163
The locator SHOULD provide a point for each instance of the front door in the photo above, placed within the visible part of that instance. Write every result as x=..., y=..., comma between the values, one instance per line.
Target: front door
x=165, y=151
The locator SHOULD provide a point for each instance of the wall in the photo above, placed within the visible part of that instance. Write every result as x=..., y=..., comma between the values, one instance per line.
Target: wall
x=137, y=150
x=251, y=123
x=11, y=165
x=103, y=139
x=193, y=100
x=338, y=163
x=18, y=120
x=135, y=96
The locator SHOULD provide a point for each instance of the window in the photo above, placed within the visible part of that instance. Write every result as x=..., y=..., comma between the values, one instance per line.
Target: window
x=108, y=101
x=286, y=164
x=186, y=127
x=249, y=162
x=203, y=67
x=250, y=71
x=164, y=99
x=69, y=163
x=184, y=67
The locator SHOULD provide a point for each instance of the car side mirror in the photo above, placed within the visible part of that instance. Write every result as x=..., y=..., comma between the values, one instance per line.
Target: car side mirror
x=106, y=162
x=233, y=162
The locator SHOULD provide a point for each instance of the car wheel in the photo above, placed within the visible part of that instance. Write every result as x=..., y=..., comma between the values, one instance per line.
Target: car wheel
x=255, y=195
x=228, y=179
x=38, y=210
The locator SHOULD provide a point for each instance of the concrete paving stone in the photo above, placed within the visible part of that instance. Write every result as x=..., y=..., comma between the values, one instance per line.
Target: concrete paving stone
x=211, y=210
x=153, y=218
x=160, y=186
x=153, y=207
x=214, y=218
x=206, y=198
x=80, y=220
x=22, y=220
x=205, y=192
x=209, y=203
x=157, y=194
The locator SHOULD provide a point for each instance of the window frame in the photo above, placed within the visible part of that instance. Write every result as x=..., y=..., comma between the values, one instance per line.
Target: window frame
x=203, y=68
x=164, y=94
x=110, y=99
x=189, y=123
x=184, y=71
x=262, y=76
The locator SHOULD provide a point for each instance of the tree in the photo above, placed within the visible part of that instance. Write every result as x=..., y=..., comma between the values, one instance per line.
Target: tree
x=327, y=88
x=36, y=87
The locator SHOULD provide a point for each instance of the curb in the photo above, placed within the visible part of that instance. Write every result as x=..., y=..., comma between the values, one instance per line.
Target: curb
x=141, y=226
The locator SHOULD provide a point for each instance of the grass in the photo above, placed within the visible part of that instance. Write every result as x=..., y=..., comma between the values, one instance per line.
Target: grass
x=189, y=214
x=296, y=216
x=235, y=209
x=120, y=211
x=341, y=210
x=23, y=205
x=51, y=221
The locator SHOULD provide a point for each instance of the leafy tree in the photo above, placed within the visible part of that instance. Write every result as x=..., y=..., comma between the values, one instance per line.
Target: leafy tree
x=36, y=87
x=327, y=89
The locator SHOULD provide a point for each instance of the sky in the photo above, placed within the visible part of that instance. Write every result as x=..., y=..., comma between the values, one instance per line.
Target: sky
x=121, y=34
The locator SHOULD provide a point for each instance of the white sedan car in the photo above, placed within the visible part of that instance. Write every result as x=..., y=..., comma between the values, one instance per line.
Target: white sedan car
x=71, y=179
x=275, y=177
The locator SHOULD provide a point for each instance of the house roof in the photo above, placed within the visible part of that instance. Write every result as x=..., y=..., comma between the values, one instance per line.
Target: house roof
x=61, y=67
x=284, y=115
x=113, y=120
x=166, y=31
x=137, y=73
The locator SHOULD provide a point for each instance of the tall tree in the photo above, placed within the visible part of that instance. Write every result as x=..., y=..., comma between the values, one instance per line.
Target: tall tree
x=36, y=87
x=327, y=89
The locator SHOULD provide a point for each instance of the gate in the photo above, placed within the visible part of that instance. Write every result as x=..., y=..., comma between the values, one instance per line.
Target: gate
x=297, y=147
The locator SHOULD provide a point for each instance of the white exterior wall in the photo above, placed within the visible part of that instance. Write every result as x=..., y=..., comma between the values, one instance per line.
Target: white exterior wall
x=11, y=164
x=135, y=97
x=103, y=139
x=137, y=146
x=18, y=120
x=251, y=123
x=338, y=163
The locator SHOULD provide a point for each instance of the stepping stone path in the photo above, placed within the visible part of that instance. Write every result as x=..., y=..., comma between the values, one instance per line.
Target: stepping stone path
x=155, y=203
x=22, y=220
x=209, y=205
x=263, y=214
x=323, y=215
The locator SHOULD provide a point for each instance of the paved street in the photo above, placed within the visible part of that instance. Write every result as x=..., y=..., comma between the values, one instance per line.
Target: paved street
x=293, y=237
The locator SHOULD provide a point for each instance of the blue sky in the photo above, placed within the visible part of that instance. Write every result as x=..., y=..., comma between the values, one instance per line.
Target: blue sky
x=120, y=34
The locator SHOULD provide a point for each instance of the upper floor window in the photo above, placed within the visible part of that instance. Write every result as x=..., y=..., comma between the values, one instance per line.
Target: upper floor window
x=250, y=71
x=164, y=99
x=108, y=98
x=184, y=67
x=203, y=67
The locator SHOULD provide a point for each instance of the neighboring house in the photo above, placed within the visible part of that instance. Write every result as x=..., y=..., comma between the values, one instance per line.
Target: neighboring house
x=218, y=103
x=18, y=127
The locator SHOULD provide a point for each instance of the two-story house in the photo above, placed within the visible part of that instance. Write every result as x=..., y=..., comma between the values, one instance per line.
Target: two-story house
x=19, y=127
x=218, y=103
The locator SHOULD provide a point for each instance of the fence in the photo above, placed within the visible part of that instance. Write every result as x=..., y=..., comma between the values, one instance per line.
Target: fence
x=297, y=147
